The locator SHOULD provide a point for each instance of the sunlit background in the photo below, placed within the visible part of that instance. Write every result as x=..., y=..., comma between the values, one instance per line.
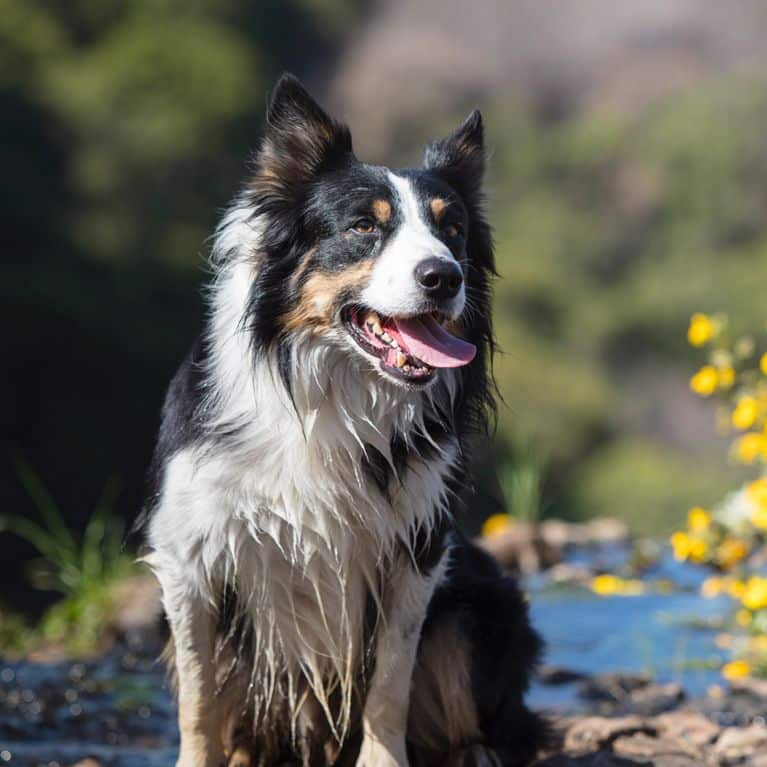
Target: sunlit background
x=627, y=190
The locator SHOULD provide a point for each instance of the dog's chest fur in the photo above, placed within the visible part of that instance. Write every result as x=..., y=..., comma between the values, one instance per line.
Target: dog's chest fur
x=283, y=510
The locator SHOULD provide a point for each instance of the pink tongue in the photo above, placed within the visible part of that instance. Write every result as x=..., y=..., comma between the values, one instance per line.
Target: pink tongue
x=426, y=339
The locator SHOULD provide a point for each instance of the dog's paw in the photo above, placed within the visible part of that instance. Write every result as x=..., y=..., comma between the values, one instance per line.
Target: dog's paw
x=374, y=753
x=240, y=757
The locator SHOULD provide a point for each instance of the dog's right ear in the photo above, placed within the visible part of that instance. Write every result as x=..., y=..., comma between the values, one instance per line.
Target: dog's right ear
x=300, y=140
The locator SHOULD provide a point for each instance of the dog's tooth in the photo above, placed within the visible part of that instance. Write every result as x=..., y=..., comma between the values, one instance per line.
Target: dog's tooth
x=401, y=359
x=374, y=323
x=386, y=337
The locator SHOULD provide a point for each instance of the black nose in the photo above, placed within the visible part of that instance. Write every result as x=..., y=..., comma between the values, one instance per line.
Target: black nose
x=439, y=278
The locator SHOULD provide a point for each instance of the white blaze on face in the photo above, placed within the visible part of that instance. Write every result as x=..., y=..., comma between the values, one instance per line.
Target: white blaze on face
x=393, y=289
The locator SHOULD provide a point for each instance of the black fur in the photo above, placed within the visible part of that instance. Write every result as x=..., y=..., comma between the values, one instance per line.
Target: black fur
x=492, y=613
x=309, y=188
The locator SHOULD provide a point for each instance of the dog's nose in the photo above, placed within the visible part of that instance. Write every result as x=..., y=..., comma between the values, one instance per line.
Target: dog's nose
x=439, y=278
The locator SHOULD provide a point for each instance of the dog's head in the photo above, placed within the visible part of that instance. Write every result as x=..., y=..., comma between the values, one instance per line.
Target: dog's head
x=390, y=266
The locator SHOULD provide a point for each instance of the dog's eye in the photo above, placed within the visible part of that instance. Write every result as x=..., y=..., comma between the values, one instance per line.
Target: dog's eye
x=364, y=226
x=453, y=230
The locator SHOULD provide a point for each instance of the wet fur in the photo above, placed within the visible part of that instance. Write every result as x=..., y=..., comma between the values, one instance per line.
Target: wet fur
x=301, y=507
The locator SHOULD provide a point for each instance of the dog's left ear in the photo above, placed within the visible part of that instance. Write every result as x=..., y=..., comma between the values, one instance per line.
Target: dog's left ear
x=300, y=140
x=460, y=158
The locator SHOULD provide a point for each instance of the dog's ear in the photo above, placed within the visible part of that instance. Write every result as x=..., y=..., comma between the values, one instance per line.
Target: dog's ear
x=300, y=140
x=460, y=158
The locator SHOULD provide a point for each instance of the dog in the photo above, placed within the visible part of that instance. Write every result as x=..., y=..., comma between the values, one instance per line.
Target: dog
x=311, y=461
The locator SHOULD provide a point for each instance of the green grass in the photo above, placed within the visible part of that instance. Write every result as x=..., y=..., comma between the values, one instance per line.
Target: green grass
x=82, y=569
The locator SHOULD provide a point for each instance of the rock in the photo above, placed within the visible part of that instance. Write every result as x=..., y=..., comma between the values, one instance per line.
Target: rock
x=136, y=604
x=655, y=698
x=557, y=675
x=558, y=533
x=750, y=686
x=597, y=759
x=522, y=547
x=688, y=726
x=89, y=761
x=614, y=688
x=606, y=530
x=652, y=749
x=566, y=573
x=738, y=743
x=593, y=733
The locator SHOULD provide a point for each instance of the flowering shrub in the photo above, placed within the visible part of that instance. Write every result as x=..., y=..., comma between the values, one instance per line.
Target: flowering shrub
x=731, y=538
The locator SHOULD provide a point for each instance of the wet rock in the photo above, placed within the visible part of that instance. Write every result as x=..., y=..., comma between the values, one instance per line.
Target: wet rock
x=558, y=533
x=557, y=675
x=522, y=547
x=655, y=699
x=567, y=573
x=658, y=750
x=89, y=761
x=597, y=759
x=595, y=733
x=738, y=743
x=756, y=688
x=688, y=727
x=613, y=688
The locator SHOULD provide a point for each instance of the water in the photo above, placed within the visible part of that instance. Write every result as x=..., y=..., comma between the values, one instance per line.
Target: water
x=119, y=710
x=657, y=633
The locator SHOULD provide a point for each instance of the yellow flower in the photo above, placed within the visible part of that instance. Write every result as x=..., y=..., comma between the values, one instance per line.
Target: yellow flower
x=680, y=543
x=759, y=518
x=743, y=617
x=763, y=363
x=737, y=669
x=705, y=381
x=495, y=524
x=702, y=329
x=698, y=519
x=605, y=585
x=698, y=550
x=757, y=492
x=608, y=585
x=712, y=587
x=726, y=377
x=731, y=551
x=755, y=594
x=745, y=414
x=736, y=589
x=750, y=447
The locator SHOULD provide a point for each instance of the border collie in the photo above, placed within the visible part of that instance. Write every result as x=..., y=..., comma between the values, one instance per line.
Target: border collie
x=310, y=461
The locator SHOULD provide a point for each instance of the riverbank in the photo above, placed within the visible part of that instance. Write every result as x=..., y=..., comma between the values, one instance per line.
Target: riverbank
x=628, y=680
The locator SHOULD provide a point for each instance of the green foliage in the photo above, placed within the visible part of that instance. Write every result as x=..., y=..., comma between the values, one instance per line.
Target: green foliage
x=82, y=569
x=521, y=479
x=611, y=231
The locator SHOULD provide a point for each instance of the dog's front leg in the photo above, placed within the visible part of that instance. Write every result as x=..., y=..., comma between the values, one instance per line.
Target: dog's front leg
x=193, y=627
x=386, y=706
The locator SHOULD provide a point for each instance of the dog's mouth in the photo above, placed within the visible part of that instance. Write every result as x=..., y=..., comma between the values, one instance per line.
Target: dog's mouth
x=409, y=349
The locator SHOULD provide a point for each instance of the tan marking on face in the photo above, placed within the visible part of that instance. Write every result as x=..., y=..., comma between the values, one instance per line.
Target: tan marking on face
x=382, y=211
x=303, y=266
x=438, y=206
x=319, y=297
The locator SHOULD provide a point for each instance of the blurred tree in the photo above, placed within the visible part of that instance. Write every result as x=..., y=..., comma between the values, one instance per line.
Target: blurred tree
x=125, y=126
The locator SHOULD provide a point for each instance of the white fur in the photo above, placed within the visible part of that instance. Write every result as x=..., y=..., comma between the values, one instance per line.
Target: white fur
x=282, y=510
x=393, y=289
